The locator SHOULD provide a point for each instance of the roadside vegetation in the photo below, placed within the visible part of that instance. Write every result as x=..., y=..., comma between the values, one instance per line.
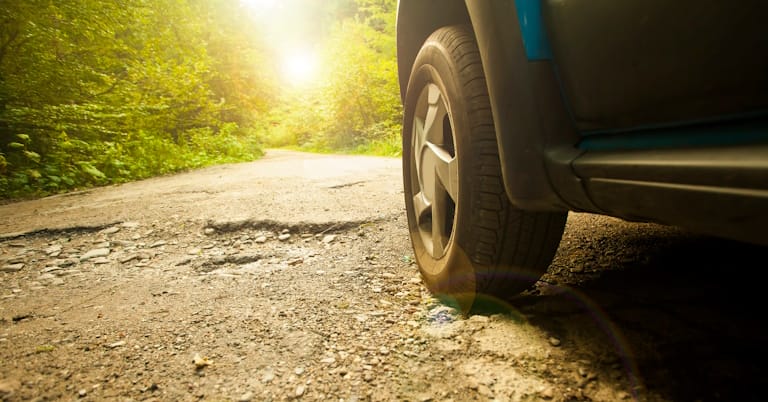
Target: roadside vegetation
x=95, y=93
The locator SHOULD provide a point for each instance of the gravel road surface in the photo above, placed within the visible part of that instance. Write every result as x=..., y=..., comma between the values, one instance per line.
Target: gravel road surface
x=292, y=278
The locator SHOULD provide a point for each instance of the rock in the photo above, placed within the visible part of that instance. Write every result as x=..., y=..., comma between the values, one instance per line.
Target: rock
x=54, y=249
x=130, y=225
x=479, y=319
x=246, y=397
x=578, y=268
x=82, y=393
x=329, y=239
x=128, y=258
x=209, y=231
x=158, y=243
x=112, y=230
x=547, y=393
x=261, y=239
x=300, y=390
x=116, y=344
x=100, y=261
x=485, y=391
x=8, y=387
x=554, y=341
x=66, y=263
x=284, y=237
x=12, y=267
x=200, y=362
x=299, y=371
x=268, y=377
x=95, y=253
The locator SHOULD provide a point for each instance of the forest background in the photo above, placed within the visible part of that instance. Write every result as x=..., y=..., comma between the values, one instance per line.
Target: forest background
x=96, y=92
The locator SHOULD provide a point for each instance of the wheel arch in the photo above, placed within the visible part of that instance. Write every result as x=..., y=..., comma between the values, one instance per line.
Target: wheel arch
x=416, y=20
x=535, y=134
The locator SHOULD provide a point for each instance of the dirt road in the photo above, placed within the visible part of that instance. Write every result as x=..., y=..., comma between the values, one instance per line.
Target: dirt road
x=292, y=278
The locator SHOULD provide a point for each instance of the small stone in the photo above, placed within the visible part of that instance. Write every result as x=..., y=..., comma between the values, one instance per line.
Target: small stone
x=246, y=397
x=328, y=360
x=577, y=269
x=285, y=231
x=300, y=390
x=478, y=319
x=485, y=391
x=12, y=267
x=284, y=237
x=329, y=239
x=82, y=393
x=299, y=371
x=116, y=344
x=268, y=377
x=554, y=341
x=200, y=361
x=100, y=261
x=158, y=243
x=54, y=249
x=261, y=239
x=368, y=376
x=95, y=253
x=209, y=231
x=128, y=258
x=130, y=225
x=8, y=388
x=547, y=393
x=383, y=350
x=112, y=230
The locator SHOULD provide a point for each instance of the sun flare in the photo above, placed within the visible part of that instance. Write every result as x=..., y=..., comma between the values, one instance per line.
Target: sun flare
x=299, y=67
x=259, y=5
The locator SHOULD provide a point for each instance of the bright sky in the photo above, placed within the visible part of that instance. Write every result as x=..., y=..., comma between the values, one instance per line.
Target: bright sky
x=285, y=23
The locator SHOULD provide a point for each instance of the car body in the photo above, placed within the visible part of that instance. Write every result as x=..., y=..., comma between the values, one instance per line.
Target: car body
x=646, y=110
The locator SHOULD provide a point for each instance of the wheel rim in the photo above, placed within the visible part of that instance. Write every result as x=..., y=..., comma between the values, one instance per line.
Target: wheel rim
x=434, y=170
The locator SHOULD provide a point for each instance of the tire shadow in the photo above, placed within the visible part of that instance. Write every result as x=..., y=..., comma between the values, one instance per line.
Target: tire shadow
x=686, y=322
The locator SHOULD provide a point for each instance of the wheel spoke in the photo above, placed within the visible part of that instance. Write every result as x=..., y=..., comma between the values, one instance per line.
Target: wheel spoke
x=438, y=221
x=433, y=121
x=446, y=168
x=421, y=206
x=419, y=138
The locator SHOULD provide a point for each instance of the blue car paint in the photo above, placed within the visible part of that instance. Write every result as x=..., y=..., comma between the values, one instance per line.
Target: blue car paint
x=533, y=32
x=739, y=133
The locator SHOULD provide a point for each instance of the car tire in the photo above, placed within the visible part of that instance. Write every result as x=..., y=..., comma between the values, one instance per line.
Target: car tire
x=472, y=246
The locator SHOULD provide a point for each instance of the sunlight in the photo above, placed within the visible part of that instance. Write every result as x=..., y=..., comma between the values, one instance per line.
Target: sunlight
x=299, y=67
x=259, y=5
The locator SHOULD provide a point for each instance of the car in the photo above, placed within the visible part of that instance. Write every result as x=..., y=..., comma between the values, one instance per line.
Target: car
x=517, y=112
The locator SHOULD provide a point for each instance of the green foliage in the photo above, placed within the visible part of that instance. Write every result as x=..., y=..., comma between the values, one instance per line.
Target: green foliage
x=357, y=109
x=95, y=92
